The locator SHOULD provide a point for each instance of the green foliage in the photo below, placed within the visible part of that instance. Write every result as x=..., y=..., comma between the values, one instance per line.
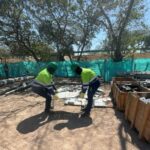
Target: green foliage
x=37, y=27
x=66, y=23
x=120, y=18
x=147, y=41
x=132, y=41
x=17, y=30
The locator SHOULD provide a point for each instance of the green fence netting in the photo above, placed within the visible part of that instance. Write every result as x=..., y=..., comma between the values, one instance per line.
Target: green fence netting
x=106, y=68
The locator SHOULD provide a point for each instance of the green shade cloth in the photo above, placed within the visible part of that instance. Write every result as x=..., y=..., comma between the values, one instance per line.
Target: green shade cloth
x=105, y=68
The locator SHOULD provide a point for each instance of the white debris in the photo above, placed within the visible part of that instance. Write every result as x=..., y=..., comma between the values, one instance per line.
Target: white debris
x=70, y=95
x=99, y=103
x=71, y=88
x=66, y=95
x=83, y=102
x=143, y=99
x=76, y=101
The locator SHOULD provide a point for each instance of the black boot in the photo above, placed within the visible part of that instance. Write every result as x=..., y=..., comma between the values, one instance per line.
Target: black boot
x=47, y=111
x=47, y=105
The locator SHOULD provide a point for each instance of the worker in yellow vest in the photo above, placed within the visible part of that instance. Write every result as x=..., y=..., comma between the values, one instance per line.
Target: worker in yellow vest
x=43, y=85
x=90, y=82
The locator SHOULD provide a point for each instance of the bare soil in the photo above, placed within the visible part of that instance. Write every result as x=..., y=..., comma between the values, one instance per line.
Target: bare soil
x=24, y=126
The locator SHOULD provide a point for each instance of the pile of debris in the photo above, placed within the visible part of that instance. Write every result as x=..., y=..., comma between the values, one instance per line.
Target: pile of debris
x=146, y=83
x=129, y=87
x=68, y=90
x=145, y=100
x=11, y=85
x=70, y=95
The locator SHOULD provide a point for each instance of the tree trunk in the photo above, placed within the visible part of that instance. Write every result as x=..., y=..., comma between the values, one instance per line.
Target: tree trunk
x=117, y=53
x=81, y=52
x=60, y=56
x=34, y=55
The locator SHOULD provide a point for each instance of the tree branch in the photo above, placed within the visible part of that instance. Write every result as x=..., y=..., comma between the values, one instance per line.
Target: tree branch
x=108, y=20
x=126, y=18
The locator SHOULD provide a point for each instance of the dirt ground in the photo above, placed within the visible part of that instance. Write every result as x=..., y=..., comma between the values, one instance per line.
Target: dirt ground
x=24, y=126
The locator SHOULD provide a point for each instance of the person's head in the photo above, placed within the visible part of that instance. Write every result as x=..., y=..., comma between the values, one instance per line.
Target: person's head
x=76, y=68
x=52, y=67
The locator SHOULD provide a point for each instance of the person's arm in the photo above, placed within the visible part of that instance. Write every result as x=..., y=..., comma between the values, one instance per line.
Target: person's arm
x=53, y=84
x=83, y=90
x=84, y=87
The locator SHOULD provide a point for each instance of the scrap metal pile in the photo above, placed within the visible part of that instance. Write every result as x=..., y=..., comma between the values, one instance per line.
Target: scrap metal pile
x=129, y=87
x=146, y=83
x=11, y=85
x=133, y=81
x=68, y=90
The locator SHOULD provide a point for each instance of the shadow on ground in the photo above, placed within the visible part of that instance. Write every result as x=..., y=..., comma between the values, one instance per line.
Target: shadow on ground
x=123, y=136
x=34, y=122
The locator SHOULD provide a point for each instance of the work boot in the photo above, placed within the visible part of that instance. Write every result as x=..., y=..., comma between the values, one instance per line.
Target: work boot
x=46, y=111
x=85, y=114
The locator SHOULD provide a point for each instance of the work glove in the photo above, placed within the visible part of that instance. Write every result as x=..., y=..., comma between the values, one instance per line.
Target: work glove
x=81, y=95
x=55, y=97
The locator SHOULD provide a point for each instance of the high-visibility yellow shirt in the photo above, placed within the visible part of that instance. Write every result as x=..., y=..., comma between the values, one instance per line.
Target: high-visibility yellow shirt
x=44, y=77
x=87, y=75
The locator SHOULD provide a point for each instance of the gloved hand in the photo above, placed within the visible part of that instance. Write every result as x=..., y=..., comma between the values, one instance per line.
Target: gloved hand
x=56, y=91
x=55, y=97
x=81, y=95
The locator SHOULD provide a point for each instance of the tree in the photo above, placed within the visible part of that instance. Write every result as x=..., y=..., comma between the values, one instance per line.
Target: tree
x=16, y=28
x=146, y=41
x=87, y=24
x=66, y=23
x=52, y=21
x=120, y=15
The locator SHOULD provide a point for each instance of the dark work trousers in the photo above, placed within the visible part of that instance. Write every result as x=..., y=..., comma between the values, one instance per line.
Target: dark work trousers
x=91, y=91
x=44, y=92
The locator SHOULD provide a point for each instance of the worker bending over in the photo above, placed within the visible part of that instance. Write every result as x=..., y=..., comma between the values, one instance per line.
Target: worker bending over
x=43, y=85
x=91, y=82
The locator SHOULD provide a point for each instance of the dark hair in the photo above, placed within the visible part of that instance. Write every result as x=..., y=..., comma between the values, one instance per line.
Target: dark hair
x=50, y=70
x=78, y=70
